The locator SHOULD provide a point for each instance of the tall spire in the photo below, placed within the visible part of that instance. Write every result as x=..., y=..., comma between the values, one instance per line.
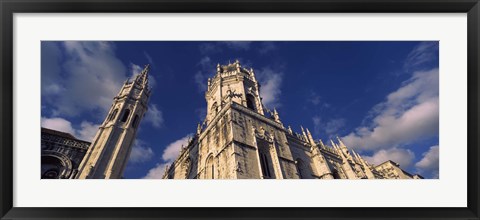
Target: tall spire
x=344, y=148
x=253, y=74
x=341, y=143
x=346, y=164
x=333, y=144
x=199, y=129
x=321, y=142
x=366, y=168
x=356, y=156
x=142, y=78
x=310, y=137
x=304, y=134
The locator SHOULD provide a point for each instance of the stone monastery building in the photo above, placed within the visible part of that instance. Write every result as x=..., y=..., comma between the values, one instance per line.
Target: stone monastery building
x=241, y=139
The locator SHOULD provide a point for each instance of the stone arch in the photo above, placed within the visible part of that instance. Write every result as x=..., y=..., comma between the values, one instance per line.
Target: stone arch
x=125, y=115
x=214, y=108
x=251, y=102
x=113, y=114
x=209, y=167
x=55, y=165
x=135, y=121
x=187, y=167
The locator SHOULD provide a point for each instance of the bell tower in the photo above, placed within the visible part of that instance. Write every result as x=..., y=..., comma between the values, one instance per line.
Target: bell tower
x=234, y=82
x=110, y=149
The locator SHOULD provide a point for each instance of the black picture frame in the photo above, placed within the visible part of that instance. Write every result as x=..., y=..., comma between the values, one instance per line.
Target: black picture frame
x=9, y=7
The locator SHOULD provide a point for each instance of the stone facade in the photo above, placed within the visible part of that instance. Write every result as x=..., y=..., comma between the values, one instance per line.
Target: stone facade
x=110, y=149
x=241, y=139
x=61, y=154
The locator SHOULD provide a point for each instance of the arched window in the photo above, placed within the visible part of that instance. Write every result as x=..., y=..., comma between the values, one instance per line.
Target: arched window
x=265, y=166
x=113, y=114
x=135, y=121
x=265, y=159
x=214, y=108
x=126, y=113
x=251, y=102
x=209, y=168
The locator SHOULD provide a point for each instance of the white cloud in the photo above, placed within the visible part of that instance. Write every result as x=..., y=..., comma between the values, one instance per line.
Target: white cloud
x=411, y=113
x=149, y=58
x=86, y=131
x=156, y=172
x=154, y=116
x=429, y=164
x=170, y=153
x=330, y=127
x=173, y=149
x=201, y=113
x=201, y=81
x=58, y=124
x=135, y=70
x=423, y=53
x=317, y=100
x=140, y=152
x=207, y=69
x=398, y=155
x=270, y=90
x=92, y=73
x=314, y=98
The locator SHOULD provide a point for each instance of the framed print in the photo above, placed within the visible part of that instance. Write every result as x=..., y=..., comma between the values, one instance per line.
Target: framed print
x=267, y=109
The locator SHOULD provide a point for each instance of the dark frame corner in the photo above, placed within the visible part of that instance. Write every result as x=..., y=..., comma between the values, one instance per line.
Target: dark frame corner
x=9, y=7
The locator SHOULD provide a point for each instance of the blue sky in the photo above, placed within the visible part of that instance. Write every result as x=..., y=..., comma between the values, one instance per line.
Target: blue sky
x=381, y=98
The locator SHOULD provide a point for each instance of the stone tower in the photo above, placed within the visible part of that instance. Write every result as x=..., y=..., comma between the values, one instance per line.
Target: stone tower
x=110, y=149
x=232, y=83
x=240, y=138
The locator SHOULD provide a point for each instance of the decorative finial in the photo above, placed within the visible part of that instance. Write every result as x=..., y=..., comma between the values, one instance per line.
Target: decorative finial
x=275, y=115
x=308, y=131
x=237, y=65
x=199, y=129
